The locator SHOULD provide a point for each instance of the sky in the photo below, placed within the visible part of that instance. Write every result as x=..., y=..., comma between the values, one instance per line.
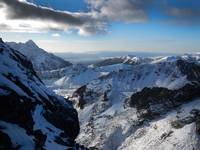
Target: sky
x=168, y=26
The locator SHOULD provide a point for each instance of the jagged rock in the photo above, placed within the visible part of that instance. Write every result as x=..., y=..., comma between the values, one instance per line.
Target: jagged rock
x=83, y=96
x=40, y=139
x=194, y=117
x=5, y=142
x=198, y=126
x=105, y=97
x=80, y=93
x=166, y=135
x=190, y=69
x=157, y=100
x=177, y=124
x=196, y=114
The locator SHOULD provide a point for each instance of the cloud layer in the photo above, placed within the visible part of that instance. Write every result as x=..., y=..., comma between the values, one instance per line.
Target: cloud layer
x=95, y=21
x=21, y=16
x=129, y=11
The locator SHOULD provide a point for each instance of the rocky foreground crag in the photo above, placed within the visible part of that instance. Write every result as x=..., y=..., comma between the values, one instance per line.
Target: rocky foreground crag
x=31, y=116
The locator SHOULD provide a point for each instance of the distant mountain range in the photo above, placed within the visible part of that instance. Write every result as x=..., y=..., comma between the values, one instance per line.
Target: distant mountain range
x=96, y=56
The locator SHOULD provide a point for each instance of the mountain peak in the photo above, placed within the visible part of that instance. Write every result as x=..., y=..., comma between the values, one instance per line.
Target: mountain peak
x=40, y=59
x=31, y=43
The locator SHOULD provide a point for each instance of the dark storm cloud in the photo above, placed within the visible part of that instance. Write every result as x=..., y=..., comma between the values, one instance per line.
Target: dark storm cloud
x=23, y=10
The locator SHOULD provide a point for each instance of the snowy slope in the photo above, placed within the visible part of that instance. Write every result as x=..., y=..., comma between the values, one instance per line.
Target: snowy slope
x=120, y=77
x=147, y=72
x=103, y=93
x=112, y=124
x=40, y=59
x=31, y=116
x=161, y=134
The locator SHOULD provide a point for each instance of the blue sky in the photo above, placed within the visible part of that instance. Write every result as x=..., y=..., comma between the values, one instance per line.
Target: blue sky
x=157, y=26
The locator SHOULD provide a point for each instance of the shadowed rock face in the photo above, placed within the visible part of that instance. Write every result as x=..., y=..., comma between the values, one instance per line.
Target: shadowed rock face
x=191, y=70
x=80, y=93
x=21, y=92
x=5, y=141
x=158, y=100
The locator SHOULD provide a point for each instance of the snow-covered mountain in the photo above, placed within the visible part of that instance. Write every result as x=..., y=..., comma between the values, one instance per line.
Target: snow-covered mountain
x=121, y=60
x=123, y=103
x=135, y=103
x=40, y=59
x=31, y=116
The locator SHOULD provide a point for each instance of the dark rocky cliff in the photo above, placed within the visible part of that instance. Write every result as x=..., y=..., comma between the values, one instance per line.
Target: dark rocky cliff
x=26, y=105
